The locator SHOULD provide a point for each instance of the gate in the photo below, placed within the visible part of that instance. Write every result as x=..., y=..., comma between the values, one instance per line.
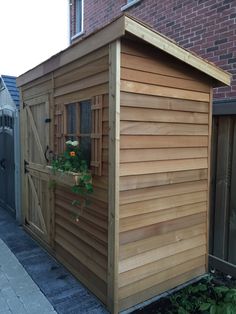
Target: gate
x=7, y=160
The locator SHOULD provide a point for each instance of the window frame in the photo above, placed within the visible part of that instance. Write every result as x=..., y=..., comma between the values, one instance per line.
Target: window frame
x=129, y=4
x=76, y=34
x=77, y=135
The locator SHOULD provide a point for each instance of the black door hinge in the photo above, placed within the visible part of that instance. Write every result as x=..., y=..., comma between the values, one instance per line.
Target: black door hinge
x=25, y=166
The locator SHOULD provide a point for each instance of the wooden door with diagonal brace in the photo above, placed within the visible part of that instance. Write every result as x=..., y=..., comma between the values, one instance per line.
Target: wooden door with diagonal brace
x=36, y=192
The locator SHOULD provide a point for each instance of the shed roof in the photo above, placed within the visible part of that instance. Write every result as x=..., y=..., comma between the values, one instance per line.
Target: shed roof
x=120, y=27
x=10, y=84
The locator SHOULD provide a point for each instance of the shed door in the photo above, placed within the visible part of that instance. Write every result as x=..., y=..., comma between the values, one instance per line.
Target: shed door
x=7, y=162
x=35, y=133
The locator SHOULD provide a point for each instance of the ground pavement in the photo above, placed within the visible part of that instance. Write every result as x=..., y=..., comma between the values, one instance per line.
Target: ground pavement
x=32, y=282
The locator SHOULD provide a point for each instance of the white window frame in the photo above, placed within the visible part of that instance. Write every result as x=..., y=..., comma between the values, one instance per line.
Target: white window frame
x=129, y=4
x=82, y=22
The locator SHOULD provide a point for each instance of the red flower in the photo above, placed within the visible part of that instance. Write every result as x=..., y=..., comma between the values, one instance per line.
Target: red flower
x=72, y=154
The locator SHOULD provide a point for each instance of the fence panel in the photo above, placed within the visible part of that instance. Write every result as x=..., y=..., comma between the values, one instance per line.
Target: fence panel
x=223, y=201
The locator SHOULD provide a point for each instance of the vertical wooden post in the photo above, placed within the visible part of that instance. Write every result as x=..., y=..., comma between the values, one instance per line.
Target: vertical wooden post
x=209, y=174
x=114, y=160
x=23, y=155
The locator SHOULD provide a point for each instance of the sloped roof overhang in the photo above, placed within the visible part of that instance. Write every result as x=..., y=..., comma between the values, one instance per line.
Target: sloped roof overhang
x=120, y=27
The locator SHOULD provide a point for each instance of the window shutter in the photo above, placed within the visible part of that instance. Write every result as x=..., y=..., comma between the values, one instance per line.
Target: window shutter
x=96, y=134
x=59, y=140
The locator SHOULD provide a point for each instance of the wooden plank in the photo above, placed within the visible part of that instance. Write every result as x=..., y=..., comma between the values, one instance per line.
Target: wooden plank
x=114, y=161
x=144, y=141
x=91, y=81
x=213, y=180
x=81, y=95
x=99, y=271
x=154, y=154
x=161, y=287
x=159, y=253
x=163, y=79
x=157, y=63
x=88, y=278
x=162, y=228
x=156, y=179
x=166, y=103
x=35, y=133
x=81, y=72
x=81, y=234
x=38, y=207
x=232, y=205
x=37, y=90
x=157, y=204
x=209, y=172
x=148, y=194
x=140, y=221
x=81, y=62
x=147, y=244
x=152, y=128
x=156, y=115
x=84, y=248
x=151, y=269
x=222, y=265
x=221, y=222
x=164, y=44
x=84, y=225
x=140, y=88
x=145, y=283
x=138, y=168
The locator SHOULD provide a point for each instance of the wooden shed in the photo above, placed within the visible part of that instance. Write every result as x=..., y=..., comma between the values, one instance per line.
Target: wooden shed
x=145, y=229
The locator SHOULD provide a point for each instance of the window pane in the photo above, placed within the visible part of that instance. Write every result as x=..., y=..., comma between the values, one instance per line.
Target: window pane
x=85, y=146
x=85, y=117
x=71, y=119
x=78, y=8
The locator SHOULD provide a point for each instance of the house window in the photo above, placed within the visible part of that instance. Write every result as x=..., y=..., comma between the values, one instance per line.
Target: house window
x=78, y=18
x=78, y=126
x=129, y=3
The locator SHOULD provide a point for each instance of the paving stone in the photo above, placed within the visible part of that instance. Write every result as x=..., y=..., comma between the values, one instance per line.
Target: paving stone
x=52, y=281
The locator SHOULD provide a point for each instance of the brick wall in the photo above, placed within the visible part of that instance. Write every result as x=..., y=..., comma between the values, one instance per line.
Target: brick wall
x=207, y=27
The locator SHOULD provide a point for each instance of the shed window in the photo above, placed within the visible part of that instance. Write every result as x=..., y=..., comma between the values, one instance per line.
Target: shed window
x=78, y=18
x=78, y=126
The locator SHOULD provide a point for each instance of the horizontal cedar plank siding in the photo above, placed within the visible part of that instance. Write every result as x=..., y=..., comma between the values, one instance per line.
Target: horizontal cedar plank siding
x=39, y=87
x=163, y=174
x=81, y=235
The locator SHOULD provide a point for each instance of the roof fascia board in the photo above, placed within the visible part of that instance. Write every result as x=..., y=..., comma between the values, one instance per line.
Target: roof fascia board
x=173, y=49
x=101, y=38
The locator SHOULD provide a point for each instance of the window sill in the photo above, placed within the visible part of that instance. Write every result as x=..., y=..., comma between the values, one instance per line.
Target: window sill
x=77, y=35
x=128, y=5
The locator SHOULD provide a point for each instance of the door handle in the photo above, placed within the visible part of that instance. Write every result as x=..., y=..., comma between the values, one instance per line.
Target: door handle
x=48, y=154
x=3, y=164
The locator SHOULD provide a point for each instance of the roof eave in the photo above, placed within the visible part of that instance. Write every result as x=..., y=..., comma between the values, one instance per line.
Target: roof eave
x=95, y=41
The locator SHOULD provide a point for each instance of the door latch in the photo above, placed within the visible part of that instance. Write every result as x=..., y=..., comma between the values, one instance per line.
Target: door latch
x=3, y=164
x=25, y=166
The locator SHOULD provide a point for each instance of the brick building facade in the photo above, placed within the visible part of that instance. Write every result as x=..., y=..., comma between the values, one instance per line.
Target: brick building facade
x=207, y=27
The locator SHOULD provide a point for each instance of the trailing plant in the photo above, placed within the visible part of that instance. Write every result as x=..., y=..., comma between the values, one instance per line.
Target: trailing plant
x=71, y=161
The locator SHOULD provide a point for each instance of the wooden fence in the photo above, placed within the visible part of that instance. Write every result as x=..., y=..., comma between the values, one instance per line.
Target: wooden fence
x=223, y=188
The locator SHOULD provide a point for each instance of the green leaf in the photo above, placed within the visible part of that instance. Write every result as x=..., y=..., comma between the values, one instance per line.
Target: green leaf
x=204, y=306
x=213, y=309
